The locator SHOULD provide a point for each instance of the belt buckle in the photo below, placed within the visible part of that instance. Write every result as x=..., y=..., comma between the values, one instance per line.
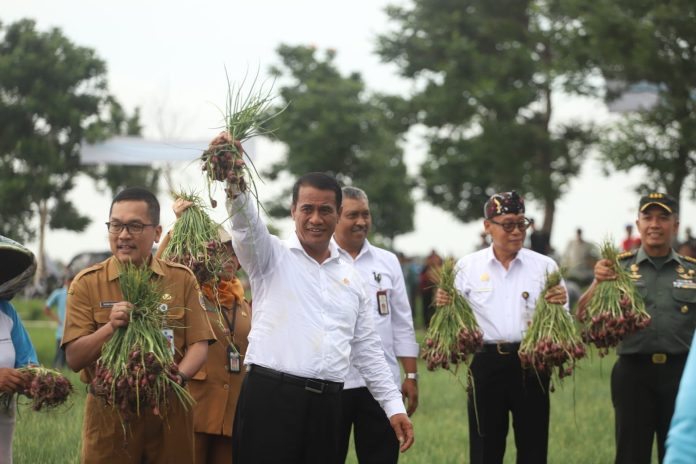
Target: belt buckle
x=498, y=346
x=314, y=386
x=658, y=358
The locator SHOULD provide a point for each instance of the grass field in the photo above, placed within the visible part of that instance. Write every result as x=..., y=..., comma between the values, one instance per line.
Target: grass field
x=581, y=419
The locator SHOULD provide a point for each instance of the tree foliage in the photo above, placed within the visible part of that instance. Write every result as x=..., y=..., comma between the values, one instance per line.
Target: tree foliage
x=334, y=125
x=486, y=73
x=51, y=91
x=51, y=95
x=648, y=42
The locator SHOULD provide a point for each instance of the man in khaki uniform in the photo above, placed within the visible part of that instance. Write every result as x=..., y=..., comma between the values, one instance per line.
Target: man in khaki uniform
x=95, y=310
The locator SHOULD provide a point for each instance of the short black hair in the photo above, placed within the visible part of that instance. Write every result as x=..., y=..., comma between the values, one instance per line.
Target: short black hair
x=320, y=181
x=140, y=194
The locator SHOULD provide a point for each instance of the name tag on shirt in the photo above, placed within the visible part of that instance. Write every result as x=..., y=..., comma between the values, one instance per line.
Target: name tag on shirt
x=382, y=303
x=679, y=283
x=106, y=304
x=482, y=289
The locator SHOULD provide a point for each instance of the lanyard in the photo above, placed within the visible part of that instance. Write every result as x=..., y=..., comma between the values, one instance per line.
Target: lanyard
x=230, y=325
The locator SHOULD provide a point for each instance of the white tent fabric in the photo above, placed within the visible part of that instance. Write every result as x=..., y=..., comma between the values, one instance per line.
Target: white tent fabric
x=137, y=151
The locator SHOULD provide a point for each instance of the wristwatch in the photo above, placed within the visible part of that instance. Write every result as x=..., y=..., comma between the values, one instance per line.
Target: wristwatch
x=412, y=376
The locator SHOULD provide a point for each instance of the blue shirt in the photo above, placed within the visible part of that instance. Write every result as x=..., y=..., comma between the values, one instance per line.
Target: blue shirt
x=681, y=441
x=58, y=298
x=14, y=339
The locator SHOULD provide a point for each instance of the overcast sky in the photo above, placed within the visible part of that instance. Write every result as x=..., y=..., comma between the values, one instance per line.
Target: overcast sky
x=169, y=58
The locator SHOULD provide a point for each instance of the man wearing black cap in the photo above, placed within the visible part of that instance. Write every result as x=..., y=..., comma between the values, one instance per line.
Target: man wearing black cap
x=502, y=283
x=645, y=378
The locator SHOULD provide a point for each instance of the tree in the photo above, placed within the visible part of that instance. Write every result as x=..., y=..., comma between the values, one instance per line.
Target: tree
x=334, y=125
x=651, y=42
x=116, y=177
x=51, y=91
x=486, y=73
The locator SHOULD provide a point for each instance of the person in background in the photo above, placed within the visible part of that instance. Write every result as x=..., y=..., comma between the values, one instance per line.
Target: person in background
x=645, y=378
x=374, y=438
x=502, y=284
x=95, y=310
x=16, y=350
x=215, y=387
x=681, y=439
x=428, y=285
x=539, y=240
x=57, y=299
x=579, y=259
x=630, y=243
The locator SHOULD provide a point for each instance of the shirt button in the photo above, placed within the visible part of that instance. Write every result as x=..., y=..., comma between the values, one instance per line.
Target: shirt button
x=684, y=309
x=226, y=387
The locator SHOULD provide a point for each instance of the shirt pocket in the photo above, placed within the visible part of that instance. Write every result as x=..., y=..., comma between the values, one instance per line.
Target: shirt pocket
x=101, y=316
x=685, y=299
x=480, y=295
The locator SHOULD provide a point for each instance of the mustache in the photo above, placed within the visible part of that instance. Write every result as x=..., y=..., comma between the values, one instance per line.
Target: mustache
x=358, y=229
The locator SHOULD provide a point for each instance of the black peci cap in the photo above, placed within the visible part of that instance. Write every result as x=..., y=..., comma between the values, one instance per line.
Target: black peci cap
x=503, y=203
x=663, y=200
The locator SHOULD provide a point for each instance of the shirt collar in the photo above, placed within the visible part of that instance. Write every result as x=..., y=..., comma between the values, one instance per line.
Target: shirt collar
x=641, y=256
x=112, y=267
x=490, y=255
x=366, y=248
x=294, y=243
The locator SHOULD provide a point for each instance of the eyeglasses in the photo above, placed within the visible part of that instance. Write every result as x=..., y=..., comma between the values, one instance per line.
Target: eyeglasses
x=509, y=226
x=133, y=228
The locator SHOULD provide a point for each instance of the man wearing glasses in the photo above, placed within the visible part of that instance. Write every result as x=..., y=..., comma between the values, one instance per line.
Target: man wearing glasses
x=502, y=283
x=95, y=310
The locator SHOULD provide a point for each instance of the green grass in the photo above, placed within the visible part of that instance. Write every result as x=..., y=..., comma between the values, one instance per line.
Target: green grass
x=581, y=431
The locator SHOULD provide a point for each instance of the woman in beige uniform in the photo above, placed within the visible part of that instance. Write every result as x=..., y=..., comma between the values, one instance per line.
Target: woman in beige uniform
x=216, y=386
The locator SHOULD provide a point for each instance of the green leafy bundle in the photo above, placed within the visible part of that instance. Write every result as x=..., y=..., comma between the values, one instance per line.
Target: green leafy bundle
x=453, y=335
x=195, y=242
x=552, y=340
x=246, y=115
x=615, y=309
x=136, y=369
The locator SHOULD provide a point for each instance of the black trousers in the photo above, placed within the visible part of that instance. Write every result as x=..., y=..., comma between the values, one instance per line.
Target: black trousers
x=375, y=440
x=501, y=388
x=282, y=423
x=643, y=394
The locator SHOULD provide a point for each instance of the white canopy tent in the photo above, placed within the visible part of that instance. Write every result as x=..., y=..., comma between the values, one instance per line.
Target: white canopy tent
x=137, y=151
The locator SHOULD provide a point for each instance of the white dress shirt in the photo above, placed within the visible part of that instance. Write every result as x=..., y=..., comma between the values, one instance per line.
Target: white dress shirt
x=380, y=269
x=502, y=299
x=308, y=319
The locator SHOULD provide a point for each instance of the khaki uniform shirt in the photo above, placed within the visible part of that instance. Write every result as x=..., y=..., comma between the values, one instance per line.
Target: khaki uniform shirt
x=214, y=388
x=670, y=299
x=149, y=438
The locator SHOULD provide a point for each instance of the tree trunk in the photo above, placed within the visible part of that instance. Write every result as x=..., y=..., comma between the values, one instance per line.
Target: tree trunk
x=40, y=260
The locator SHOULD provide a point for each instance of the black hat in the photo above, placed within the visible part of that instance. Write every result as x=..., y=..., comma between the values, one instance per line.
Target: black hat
x=503, y=203
x=663, y=200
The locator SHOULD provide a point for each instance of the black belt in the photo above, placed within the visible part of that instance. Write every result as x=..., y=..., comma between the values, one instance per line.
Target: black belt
x=656, y=358
x=500, y=348
x=311, y=385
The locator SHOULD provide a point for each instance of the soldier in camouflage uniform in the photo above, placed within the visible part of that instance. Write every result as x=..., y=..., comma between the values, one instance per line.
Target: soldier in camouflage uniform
x=645, y=378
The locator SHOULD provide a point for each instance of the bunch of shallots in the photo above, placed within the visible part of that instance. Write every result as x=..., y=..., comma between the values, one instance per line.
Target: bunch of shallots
x=195, y=242
x=453, y=335
x=136, y=369
x=46, y=388
x=615, y=309
x=551, y=344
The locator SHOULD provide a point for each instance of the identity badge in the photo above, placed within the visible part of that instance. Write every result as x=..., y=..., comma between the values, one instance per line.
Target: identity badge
x=234, y=364
x=382, y=303
x=169, y=335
